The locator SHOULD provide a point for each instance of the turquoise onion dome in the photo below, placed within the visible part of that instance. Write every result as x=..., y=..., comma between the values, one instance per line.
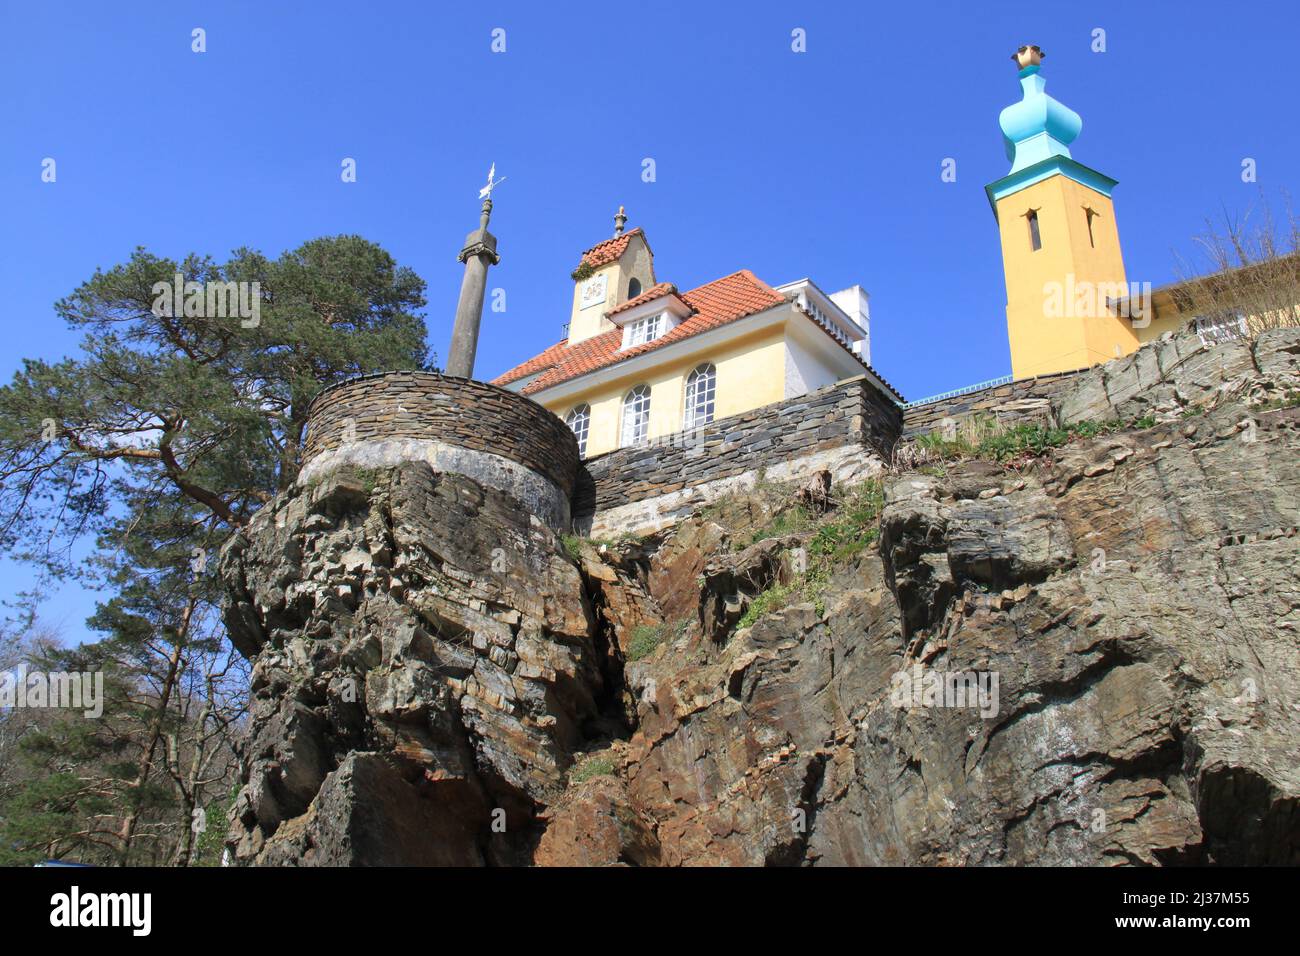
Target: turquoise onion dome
x=1038, y=127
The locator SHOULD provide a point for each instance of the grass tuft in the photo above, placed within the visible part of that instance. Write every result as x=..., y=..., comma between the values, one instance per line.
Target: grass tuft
x=599, y=765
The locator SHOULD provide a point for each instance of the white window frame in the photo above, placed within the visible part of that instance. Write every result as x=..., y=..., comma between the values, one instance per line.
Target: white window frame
x=635, y=425
x=579, y=422
x=644, y=330
x=701, y=404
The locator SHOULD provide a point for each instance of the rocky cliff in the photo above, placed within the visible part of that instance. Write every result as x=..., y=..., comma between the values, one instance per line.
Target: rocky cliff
x=1084, y=652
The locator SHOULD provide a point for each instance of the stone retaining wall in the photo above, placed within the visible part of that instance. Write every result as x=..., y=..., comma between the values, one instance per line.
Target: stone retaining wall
x=1027, y=398
x=446, y=411
x=810, y=430
x=1165, y=377
x=500, y=439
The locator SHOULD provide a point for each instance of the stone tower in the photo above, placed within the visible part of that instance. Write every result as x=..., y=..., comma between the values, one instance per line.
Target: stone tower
x=1060, y=243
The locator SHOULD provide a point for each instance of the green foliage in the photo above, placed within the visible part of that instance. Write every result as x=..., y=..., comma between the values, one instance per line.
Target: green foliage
x=584, y=272
x=75, y=774
x=572, y=544
x=644, y=640
x=599, y=765
x=986, y=439
x=369, y=478
x=1289, y=399
x=209, y=844
x=790, y=521
x=158, y=439
x=854, y=525
x=193, y=410
x=647, y=637
x=838, y=539
x=773, y=599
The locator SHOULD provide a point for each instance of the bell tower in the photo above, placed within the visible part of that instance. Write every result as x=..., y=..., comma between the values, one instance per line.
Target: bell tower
x=1061, y=255
x=610, y=273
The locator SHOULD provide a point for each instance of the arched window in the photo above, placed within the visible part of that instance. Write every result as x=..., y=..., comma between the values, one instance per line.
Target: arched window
x=636, y=416
x=701, y=390
x=579, y=422
x=634, y=288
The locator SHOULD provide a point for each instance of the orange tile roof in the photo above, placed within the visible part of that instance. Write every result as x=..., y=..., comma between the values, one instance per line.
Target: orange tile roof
x=656, y=291
x=603, y=253
x=715, y=304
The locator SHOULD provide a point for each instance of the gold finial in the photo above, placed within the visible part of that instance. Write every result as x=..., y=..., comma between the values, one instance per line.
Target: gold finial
x=619, y=222
x=1029, y=55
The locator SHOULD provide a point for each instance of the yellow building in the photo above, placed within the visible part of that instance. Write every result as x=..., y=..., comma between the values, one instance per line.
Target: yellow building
x=643, y=361
x=1069, y=302
x=1061, y=252
x=1232, y=303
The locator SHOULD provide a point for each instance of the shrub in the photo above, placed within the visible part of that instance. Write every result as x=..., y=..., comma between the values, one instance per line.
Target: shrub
x=773, y=599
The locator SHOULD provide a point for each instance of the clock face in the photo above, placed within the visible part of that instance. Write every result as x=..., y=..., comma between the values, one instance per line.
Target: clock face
x=593, y=292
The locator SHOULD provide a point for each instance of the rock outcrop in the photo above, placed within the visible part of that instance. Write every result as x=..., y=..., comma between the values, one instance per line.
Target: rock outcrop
x=1092, y=657
x=425, y=666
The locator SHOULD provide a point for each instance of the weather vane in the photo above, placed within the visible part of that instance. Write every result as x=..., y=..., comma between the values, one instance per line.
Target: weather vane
x=492, y=183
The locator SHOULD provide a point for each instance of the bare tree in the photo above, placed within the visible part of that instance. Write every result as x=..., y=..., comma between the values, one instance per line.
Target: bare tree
x=1249, y=267
x=201, y=757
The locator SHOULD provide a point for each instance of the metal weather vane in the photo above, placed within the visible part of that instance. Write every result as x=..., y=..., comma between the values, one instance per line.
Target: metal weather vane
x=492, y=183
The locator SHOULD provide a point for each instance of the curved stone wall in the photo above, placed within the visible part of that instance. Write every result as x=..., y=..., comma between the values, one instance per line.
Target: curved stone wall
x=497, y=437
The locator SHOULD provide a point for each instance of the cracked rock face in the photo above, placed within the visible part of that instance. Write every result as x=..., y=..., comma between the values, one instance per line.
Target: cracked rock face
x=424, y=668
x=1091, y=659
x=1147, y=651
x=1136, y=597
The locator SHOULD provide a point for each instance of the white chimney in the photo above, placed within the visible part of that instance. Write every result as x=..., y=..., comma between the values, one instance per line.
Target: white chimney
x=853, y=301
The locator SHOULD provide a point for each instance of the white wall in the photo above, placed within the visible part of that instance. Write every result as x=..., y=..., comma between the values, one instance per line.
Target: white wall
x=804, y=372
x=856, y=304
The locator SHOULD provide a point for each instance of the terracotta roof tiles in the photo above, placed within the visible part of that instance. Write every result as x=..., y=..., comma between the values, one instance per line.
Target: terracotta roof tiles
x=715, y=304
x=657, y=291
x=603, y=253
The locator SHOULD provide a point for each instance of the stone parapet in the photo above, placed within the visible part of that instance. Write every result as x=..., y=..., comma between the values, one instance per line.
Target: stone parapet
x=492, y=435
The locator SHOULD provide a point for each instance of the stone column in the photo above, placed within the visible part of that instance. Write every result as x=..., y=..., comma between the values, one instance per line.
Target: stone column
x=480, y=252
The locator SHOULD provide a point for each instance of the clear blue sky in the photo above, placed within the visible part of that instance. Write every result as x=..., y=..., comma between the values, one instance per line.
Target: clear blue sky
x=823, y=164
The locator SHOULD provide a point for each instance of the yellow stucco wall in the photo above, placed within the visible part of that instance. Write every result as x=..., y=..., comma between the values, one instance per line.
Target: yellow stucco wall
x=751, y=373
x=584, y=323
x=1041, y=342
x=1172, y=320
x=1159, y=326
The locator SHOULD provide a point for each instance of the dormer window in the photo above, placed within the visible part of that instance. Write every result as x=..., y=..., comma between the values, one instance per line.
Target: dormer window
x=643, y=330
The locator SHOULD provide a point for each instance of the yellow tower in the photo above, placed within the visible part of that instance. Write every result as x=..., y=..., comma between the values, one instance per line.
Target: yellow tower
x=1060, y=243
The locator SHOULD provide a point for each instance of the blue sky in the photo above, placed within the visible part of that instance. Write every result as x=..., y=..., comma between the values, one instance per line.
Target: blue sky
x=823, y=164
